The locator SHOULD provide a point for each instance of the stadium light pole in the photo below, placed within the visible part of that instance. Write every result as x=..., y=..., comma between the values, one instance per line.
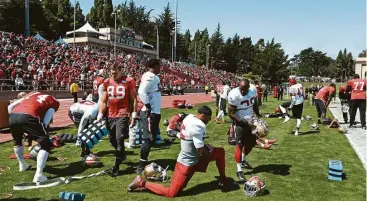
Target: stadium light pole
x=74, y=22
x=26, y=7
x=157, y=46
x=114, y=44
x=175, y=46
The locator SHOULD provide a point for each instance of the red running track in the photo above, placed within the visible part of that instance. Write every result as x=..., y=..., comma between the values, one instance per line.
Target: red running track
x=61, y=118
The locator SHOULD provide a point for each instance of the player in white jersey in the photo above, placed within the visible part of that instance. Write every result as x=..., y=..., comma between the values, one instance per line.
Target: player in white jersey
x=223, y=102
x=194, y=156
x=242, y=105
x=150, y=95
x=297, y=94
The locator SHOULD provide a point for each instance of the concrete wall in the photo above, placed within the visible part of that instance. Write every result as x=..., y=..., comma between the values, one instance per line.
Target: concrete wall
x=361, y=67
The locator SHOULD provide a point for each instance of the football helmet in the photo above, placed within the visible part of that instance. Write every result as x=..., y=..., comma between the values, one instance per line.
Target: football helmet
x=255, y=186
x=314, y=127
x=155, y=172
x=165, y=122
x=345, y=108
x=189, y=106
x=261, y=127
x=181, y=106
x=34, y=151
x=308, y=118
x=91, y=160
x=343, y=130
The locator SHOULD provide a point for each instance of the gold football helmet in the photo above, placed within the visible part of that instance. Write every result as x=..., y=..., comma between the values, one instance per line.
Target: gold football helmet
x=155, y=172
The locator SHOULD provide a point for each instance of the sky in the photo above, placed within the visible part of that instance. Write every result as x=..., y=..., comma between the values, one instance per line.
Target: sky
x=325, y=25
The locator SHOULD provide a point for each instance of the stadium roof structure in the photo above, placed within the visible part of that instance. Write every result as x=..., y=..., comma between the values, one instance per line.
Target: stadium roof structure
x=85, y=29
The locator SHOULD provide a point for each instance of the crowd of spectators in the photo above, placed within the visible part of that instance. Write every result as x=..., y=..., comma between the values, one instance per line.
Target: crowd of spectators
x=31, y=64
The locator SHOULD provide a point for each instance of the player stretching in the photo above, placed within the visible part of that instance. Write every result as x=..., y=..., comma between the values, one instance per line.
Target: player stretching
x=322, y=101
x=242, y=104
x=118, y=94
x=297, y=94
x=150, y=95
x=358, y=99
x=194, y=157
x=31, y=115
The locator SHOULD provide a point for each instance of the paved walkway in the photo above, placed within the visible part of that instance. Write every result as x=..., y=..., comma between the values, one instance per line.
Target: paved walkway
x=356, y=136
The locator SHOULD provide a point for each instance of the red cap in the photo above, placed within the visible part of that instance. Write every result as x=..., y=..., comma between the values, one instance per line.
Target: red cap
x=292, y=82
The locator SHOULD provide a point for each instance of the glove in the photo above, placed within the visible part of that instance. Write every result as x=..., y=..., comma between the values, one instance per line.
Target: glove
x=99, y=117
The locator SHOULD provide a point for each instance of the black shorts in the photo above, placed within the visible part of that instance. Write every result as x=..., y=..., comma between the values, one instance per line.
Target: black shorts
x=286, y=104
x=118, y=127
x=297, y=111
x=75, y=117
x=244, y=136
x=25, y=123
x=95, y=97
x=320, y=106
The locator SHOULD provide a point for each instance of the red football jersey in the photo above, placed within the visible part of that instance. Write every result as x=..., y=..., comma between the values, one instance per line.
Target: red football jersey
x=98, y=81
x=358, y=89
x=324, y=93
x=175, y=119
x=343, y=89
x=36, y=104
x=118, y=93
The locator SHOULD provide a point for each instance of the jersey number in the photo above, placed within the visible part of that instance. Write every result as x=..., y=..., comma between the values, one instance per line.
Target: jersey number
x=356, y=84
x=41, y=98
x=120, y=92
x=248, y=102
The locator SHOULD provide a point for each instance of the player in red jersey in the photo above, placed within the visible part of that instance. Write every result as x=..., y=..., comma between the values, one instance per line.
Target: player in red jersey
x=344, y=97
x=96, y=83
x=31, y=115
x=322, y=101
x=357, y=87
x=118, y=94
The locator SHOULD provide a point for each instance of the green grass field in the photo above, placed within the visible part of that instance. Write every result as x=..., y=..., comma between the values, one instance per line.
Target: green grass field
x=296, y=168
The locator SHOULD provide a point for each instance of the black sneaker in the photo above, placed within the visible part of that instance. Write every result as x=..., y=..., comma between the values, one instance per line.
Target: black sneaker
x=246, y=165
x=114, y=172
x=241, y=176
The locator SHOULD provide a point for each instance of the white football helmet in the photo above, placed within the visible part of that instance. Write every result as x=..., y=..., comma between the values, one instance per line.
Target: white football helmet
x=262, y=128
x=255, y=186
x=308, y=118
x=155, y=172
x=343, y=130
x=314, y=127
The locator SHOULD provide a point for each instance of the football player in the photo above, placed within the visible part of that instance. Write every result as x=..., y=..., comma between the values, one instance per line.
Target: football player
x=223, y=102
x=344, y=97
x=150, y=94
x=96, y=84
x=322, y=101
x=194, y=156
x=174, y=125
x=242, y=104
x=358, y=99
x=118, y=94
x=32, y=115
x=297, y=94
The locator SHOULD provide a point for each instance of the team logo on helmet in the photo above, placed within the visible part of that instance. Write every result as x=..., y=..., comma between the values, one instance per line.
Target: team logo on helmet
x=261, y=127
x=155, y=172
x=255, y=186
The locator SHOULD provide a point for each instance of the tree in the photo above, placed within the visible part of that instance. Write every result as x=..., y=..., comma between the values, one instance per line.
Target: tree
x=95, y=14
x=271, y=63
x=166, y=28
x=216, y=46
x=344, y=64
x=185, y=46
x=363, y=54
x=79, y=17
x=311, y=63
x=107, y=18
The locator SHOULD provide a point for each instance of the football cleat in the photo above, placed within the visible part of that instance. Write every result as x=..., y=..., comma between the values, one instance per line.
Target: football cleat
x=136, y=183
x=39, y=178
x=286, y=119
x=296, y=133
x=241, y=176
x=23, y=167
x=114, y=172
x=246, y=165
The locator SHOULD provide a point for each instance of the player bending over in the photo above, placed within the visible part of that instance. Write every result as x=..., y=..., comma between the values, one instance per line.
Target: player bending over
x=31, y=115
x=242, y=104
x=118, y=94
x=344, y=97
x=194, y=156
x=322, y=101
x=358, y=99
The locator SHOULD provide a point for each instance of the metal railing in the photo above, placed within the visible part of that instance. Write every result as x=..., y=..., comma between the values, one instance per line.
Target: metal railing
x=46, y=85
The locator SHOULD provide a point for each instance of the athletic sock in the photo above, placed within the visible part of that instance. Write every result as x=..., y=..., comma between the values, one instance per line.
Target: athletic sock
x=239, y=167
x=298, y=123
x=41, y=161
x=19, y=153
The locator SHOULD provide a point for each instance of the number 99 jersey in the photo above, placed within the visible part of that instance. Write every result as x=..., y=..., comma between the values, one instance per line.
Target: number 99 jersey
x=297, y=91
x=243, y=104
x=118, y=93
x=36, y=104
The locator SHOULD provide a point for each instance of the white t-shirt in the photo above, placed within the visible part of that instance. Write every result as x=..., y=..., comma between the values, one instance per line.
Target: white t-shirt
x=149, y=91
x=89, y=110
x=225, y=92
x=192, y=133
x=243, y=104
x=297, y=89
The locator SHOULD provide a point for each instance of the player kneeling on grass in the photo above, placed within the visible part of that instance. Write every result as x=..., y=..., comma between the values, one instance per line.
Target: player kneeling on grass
x=194, y=157
x=82, y=114
x=322, y=101
x=174, y=125
x=31, y=115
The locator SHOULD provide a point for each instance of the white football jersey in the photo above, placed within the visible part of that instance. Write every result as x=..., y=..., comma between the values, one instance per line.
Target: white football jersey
x=191, y=135
x=297, y=89
x=225, y=92
x=88, y=108
x=150, y=92
x=244, y=104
